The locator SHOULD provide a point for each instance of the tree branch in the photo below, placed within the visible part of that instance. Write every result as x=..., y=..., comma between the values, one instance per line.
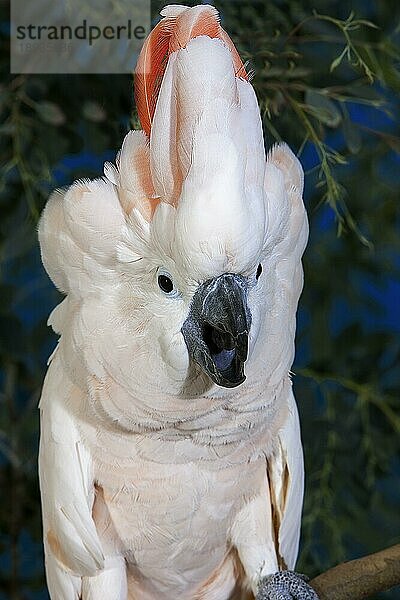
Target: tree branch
x=360, y=578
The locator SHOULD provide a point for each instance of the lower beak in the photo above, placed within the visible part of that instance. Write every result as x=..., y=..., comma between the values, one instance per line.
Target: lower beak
x=217, y=328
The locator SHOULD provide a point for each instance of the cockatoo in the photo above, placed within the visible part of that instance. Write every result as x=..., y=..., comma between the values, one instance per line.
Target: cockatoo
x=170, y=455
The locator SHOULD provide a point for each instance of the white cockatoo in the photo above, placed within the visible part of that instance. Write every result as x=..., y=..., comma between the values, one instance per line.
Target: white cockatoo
x=170, y=455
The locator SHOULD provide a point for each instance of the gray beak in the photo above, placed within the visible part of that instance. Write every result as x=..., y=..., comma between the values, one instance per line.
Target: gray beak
x=217, y=328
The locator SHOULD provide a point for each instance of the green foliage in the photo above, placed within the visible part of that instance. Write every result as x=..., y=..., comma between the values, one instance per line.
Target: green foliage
x=313, y=63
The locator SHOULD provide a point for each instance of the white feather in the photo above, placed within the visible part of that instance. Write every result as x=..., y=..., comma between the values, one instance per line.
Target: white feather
x=66, y=481
x=163, y=138
x=286, y=479
x=183, y=469
x=172, y=10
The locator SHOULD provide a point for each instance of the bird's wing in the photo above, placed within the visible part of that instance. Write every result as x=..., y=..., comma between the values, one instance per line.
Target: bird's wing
x=287, y=235
x=66, y=482
x=267, y=528
x=286, y=487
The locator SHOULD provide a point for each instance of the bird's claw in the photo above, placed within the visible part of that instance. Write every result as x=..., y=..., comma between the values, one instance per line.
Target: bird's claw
x=285, y=585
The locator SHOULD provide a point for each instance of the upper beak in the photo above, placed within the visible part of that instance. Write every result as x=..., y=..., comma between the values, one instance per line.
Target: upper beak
x=217, y=328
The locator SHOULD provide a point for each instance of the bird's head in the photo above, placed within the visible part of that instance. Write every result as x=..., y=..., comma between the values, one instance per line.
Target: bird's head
x=200, y=263
x=185, y=258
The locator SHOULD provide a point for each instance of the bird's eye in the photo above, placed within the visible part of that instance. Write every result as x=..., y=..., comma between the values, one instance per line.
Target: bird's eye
x=165, y=283
x=259, y=271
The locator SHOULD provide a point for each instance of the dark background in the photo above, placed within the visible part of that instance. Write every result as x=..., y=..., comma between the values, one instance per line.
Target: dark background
x=344, y=124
